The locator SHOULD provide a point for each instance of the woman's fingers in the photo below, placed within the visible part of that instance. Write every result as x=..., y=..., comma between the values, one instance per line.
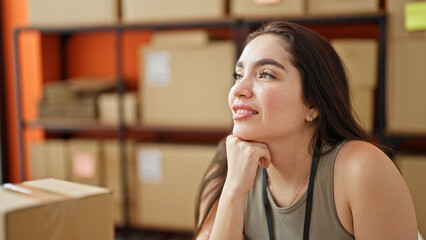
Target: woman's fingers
x=243, y=160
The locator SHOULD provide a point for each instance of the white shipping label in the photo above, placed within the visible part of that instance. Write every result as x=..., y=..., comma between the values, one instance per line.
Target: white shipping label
x=158, y=69
x=150, y=166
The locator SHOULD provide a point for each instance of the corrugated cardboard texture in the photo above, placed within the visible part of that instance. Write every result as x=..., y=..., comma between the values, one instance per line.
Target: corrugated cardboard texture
x=72, y=12
x=56, y=209
x=134, y=11
x=257, y=9
x=189, y=87
x=405, y=86
x=413, y=169
x=169, y=203
x=342, y=6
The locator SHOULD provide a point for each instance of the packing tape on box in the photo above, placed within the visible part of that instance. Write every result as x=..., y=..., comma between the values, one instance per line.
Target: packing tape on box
x=42, y=195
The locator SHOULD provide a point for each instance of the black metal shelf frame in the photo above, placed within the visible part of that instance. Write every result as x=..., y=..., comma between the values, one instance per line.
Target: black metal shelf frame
x=239, y=30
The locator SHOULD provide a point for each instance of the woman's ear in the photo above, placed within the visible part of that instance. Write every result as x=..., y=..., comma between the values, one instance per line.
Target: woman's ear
x=312, y=114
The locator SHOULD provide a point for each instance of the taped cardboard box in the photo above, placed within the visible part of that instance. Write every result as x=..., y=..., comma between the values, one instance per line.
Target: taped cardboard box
x=72, y=12
x=360, y=57
x=267, y=8
x=413, y=168
x=342, y=6
x=396, y=17
x=187, y=86
x=136, y=11
x=405, y=86
x=85, y=161
x=167, y=181
x=111, y=154
x=55, y=209
x=108, y=106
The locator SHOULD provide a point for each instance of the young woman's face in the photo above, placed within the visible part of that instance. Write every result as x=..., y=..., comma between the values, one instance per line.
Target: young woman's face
x=266, y=100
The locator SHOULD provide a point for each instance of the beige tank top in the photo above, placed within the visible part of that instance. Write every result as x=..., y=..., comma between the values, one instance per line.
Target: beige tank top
x=288, y=222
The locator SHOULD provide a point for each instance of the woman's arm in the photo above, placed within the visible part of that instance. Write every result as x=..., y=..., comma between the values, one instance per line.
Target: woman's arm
x=374, y=202
x=243, y=159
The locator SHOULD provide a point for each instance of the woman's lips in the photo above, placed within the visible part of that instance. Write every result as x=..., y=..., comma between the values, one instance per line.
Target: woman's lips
x=241, y=111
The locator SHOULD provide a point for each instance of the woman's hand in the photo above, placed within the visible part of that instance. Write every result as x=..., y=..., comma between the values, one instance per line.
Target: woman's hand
x=243, y=160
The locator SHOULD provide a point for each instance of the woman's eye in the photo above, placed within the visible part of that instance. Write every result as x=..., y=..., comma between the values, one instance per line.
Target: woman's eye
x=265, y=74
x=237, y=76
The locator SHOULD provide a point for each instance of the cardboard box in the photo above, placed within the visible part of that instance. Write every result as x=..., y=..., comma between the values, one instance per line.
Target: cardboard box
x=108, y=106
x=266, y=8
x=136, y=11
x=167, y=181
x=395, y=18
x=55, y=209
x=56, y=154
x=405, y=86
x=342, y=6
x=187, y=86
x=413, y=168
x=38, y=160
x=49, y=160
x=72, y=12
x=85, y=161
x=111, y=154
x=360, y=56
x=198, y=37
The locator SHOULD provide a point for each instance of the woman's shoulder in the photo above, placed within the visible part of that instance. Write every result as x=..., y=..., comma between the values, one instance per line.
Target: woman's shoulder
x=356, y=156
x=370, y=189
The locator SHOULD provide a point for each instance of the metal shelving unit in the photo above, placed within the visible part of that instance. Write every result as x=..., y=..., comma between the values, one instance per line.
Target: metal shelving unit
x=239, y=29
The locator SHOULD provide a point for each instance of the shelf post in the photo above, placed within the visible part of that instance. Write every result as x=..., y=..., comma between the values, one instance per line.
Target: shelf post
x=20, y=142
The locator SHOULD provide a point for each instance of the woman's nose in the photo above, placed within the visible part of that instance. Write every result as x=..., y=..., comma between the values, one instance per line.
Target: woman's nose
x=243, y=88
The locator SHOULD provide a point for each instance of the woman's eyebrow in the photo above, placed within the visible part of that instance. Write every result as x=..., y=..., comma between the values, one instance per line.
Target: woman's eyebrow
x=269, y=61
x=262, y=62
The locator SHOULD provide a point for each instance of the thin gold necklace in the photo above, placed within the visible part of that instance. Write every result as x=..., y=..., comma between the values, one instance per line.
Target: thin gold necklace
x=297, y=192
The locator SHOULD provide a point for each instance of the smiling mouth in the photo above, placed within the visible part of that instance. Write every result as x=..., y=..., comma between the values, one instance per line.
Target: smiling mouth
x=245, y=111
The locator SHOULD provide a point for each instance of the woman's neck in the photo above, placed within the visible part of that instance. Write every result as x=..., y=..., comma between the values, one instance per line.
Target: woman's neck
x=291, y=161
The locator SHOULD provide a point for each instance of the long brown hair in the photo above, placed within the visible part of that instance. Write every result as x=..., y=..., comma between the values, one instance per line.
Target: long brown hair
x=325, y=87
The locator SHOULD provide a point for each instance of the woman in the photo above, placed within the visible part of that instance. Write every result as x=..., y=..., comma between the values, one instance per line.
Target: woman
x=297, y=164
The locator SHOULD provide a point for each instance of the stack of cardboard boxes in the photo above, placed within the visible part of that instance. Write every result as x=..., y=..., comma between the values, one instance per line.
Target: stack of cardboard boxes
x=62, y=12
x=161, y=178
x=405, y=90
x=74, y=99
x=406, y=55
x=90, y=162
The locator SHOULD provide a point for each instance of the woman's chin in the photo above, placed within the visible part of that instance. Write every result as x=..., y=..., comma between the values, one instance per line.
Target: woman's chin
x=245, y=134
